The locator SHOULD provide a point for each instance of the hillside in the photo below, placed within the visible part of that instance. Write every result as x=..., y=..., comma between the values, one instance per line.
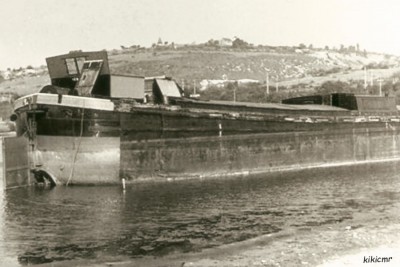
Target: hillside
x=208, y=67
x=239, y=64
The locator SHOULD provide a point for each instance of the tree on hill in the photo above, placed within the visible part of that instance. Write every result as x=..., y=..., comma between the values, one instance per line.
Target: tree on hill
x=330, y=87
x=352, y=49
x=212, y=42
x=239, y=43
x=302, y=46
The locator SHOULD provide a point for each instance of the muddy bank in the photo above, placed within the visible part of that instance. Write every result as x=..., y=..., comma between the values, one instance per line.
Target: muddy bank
x=341, y=244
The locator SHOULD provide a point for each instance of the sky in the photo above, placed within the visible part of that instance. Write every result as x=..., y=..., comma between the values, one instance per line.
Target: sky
x=32, y=30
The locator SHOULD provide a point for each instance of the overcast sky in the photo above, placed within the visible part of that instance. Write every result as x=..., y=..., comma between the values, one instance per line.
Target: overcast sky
x=34, y=29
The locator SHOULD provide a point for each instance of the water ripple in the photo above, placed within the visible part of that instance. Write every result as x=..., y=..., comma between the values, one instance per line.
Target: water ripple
x=39, y=225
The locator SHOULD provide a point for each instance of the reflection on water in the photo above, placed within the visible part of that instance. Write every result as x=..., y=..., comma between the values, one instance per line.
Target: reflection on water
x=40, y=225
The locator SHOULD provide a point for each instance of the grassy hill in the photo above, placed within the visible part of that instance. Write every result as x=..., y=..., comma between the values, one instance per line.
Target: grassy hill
x=199, y=64
x=294, y=71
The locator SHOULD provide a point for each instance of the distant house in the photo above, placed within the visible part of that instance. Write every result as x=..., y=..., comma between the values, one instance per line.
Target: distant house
x=30, y=72
x=302, y=50
x=225, y=42
x=7, y=75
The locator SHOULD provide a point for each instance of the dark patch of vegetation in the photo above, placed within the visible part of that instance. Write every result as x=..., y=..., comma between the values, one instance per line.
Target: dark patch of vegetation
x=239, y=43
x=324, y=72
x=380, y=65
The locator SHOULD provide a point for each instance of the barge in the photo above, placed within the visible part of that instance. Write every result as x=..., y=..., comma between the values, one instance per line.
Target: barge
x=91, y=126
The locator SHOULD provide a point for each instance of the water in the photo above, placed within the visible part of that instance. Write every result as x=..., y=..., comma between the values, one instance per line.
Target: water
x=40, y=225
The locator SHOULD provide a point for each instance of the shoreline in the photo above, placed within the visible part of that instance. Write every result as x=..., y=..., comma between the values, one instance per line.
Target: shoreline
x=342, y=244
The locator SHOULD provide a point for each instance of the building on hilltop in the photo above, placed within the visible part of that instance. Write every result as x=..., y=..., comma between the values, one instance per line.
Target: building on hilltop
x=7, y=75
x=225, y=42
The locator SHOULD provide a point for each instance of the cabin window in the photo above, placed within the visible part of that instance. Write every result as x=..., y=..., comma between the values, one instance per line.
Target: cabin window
x=74, y=65
x=92, y=65
x=96, y=65
x=71, y=66
x=79, y=62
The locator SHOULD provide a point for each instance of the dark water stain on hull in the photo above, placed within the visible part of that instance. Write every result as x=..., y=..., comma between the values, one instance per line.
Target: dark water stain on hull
x=40, y=225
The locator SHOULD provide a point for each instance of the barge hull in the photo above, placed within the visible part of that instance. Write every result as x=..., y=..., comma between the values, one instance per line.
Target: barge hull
x=203, y=157
x=79, y=160
x=106, y=160
x=79, y=143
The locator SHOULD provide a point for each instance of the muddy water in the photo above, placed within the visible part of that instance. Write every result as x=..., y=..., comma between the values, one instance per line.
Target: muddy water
x=40, y=225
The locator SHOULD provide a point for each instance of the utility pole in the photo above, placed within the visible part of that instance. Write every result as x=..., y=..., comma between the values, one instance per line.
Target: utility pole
x=365, y=78
x=267, y=82
x=371, y=78
x=380, y=80
x=194, y=87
